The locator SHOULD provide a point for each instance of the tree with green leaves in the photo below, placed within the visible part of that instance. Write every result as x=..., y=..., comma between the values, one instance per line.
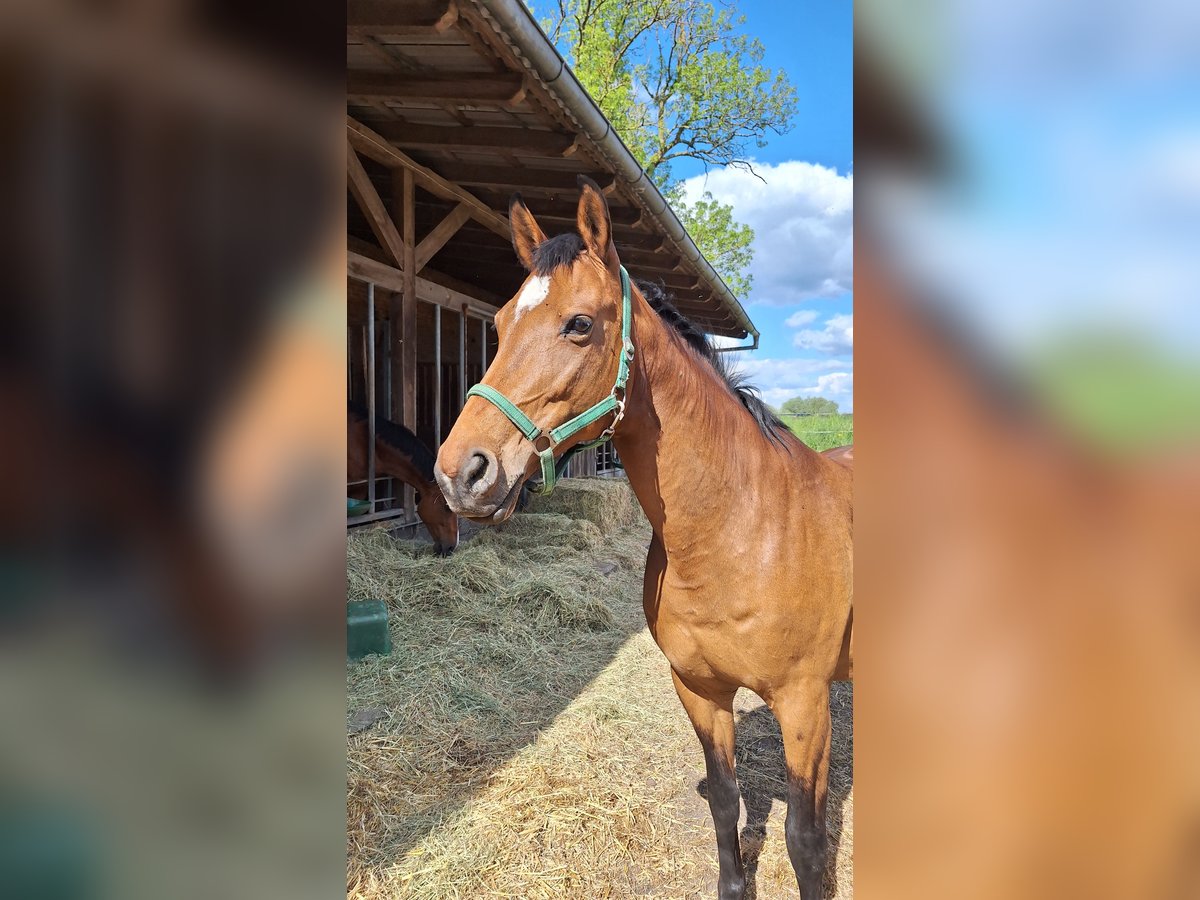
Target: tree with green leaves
x=809, y=406
x=678, y=81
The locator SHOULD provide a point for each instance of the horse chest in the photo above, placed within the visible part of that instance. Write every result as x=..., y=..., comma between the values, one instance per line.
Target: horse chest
x=705, y=635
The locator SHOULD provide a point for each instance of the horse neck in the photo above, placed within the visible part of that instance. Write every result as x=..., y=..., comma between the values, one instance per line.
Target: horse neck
x=391, y=461
x=683, y=420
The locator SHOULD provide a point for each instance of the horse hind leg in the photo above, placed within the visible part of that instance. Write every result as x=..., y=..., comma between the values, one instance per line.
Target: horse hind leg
x=712, y=717
x=805, y=721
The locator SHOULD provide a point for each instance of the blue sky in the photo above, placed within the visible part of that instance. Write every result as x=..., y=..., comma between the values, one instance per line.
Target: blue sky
x=803, y=215
x=1076, y=131
x=803, y=218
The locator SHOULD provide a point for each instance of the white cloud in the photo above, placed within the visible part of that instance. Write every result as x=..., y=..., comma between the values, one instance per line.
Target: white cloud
x=802, y=215
x=801, y=317
x=781, y=379
x=833, y=386
x=836, y=337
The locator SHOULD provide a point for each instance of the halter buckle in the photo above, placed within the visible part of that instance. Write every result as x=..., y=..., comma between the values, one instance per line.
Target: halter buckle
x=617, y=416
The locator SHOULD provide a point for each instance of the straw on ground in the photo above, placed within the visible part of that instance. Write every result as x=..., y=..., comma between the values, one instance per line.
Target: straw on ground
x=523, y=740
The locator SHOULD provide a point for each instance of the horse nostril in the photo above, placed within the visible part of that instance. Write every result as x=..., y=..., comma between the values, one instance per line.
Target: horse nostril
x=477, y=473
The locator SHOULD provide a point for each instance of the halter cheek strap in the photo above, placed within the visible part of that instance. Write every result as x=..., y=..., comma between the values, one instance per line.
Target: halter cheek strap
x=546, y=442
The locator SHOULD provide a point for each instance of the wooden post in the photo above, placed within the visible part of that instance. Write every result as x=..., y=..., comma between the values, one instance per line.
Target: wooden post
x=408, y=346
x=462, y=357
x=371, y=397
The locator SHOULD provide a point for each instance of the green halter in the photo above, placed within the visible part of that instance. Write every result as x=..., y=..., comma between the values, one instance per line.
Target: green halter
x=555, y=436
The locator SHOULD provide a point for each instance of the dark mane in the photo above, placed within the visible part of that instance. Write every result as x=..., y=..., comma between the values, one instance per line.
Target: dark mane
x=768, y=423
x=562, y=250
x=397, y=436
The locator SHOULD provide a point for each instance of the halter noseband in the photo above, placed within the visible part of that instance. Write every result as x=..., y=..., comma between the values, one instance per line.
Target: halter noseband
x=555, y=436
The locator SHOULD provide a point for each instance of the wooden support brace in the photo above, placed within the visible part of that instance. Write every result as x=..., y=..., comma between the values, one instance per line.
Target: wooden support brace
x=372, y=206
x=442, y=232
x=381, y=150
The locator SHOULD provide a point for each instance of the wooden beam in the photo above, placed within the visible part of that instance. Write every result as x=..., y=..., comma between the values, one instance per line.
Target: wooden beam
x=437, y=137
x=367, y=269
x=410, y=17
x=372, y=206
x=483, y=300
x=457, y=286
x=460, y=89
x=517, y=179
x=680, y=282
x=626, y=217
x=442, y=232
x=376, y=147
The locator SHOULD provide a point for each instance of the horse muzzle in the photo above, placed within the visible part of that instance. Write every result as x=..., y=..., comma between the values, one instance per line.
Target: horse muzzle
x=476, y=487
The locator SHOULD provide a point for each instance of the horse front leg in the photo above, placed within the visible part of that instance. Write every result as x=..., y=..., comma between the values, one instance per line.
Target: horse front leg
x=712, y=717
x=804, y=718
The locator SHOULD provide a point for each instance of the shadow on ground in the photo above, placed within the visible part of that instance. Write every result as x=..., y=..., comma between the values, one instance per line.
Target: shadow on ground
x=482, y=664
x=762, y=777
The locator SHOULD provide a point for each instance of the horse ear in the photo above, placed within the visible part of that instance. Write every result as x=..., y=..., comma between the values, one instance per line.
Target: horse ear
x=525, y=231
x=592, y=220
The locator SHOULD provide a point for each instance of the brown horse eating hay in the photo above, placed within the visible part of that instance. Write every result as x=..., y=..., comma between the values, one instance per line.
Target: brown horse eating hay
x=402, y=455
x=748, y=578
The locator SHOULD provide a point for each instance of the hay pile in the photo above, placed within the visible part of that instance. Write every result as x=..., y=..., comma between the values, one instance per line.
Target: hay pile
x=523, y=740
x=608, y=503
x=489, y=645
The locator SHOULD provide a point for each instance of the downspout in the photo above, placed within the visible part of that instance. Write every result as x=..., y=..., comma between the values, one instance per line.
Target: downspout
x=518, y=25
x=735, y=349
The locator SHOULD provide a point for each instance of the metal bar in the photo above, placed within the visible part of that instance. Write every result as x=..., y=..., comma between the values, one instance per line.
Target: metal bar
x=388, y=383
x=371, y=395
x=483, y=345
x=462, y=358
x=751, y=346
x=437, y=378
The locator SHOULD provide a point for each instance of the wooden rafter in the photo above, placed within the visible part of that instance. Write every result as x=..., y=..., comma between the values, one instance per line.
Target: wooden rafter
x=508, y=177
x=433, y=137
x=371, y=144
x=461, y=89
x=409, y=17
x=623, y=217
x=442, y=232
x=372, y=206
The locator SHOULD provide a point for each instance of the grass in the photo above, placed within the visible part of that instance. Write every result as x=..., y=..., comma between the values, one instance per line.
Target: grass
x=822, y=432
x=527, y=742
x=1120, y=393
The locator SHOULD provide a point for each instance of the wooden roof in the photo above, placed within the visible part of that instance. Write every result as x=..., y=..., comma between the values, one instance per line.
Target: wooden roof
x=434, y=86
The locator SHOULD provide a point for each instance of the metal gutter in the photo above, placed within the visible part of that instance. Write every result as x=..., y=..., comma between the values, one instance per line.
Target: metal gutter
x=522, y=30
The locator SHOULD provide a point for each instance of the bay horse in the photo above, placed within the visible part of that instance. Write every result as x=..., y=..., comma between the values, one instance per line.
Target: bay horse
x=401, y=454
x=748, y=578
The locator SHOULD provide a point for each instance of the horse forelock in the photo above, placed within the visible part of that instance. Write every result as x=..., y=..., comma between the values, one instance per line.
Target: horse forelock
x=556, y=252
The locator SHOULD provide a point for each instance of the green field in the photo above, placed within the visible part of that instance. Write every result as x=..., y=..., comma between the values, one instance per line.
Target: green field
x=822, y=432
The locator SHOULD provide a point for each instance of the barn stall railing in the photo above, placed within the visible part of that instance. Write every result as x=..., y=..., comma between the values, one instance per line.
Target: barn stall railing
x=376, y=387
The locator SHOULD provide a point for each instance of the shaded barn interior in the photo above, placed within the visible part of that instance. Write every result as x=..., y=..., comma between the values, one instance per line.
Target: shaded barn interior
x=452, y=106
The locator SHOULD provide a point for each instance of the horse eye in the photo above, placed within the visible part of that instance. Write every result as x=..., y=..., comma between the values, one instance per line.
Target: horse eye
x=578, y=325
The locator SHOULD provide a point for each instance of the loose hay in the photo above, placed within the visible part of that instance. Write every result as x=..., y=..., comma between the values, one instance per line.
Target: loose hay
x=527, y=742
